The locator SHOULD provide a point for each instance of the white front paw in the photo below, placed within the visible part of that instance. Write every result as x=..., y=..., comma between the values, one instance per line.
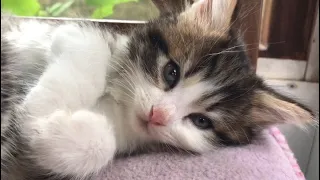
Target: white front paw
x=76, y=144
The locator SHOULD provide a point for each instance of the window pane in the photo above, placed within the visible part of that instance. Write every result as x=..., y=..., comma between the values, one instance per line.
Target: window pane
x=96, y=9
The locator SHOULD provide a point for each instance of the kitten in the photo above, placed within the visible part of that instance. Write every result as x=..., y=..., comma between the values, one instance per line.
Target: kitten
x=74, y=95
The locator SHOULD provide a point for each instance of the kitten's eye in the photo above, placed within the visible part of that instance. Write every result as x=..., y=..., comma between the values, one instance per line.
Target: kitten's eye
x=171, y=74
x=200, y=121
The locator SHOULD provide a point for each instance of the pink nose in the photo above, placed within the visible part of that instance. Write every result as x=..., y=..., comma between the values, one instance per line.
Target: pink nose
x=158, y=116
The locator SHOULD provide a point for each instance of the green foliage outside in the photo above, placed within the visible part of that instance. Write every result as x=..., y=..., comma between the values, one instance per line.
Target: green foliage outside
x=98, y=9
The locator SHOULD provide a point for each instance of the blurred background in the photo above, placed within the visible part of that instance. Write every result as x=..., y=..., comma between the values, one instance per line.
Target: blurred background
x=283, y=43
x=97, y=9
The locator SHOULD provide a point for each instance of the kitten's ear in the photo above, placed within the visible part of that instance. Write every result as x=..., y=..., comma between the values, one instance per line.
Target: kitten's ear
x=270, y=107
x=212, y=15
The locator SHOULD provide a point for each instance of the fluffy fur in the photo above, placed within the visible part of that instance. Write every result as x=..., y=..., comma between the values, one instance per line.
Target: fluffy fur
x=76, y=94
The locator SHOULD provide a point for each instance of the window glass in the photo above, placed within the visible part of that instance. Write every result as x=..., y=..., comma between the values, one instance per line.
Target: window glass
x=95, y=9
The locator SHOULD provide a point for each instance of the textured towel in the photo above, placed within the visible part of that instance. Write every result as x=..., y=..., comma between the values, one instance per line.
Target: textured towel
x=268, y=159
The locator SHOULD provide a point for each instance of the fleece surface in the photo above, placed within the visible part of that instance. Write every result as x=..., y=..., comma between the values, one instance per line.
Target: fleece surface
x=262, y=160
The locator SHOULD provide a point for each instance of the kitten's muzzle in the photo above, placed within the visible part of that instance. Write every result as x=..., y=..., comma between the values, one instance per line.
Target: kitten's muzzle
x=158, y=116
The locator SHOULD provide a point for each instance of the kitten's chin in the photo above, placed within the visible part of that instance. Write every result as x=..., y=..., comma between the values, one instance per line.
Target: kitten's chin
x=142, y=124
x=145, y=129
x=141, y=127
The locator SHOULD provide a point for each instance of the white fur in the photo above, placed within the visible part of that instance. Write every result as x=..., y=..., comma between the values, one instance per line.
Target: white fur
x=63, y=137
x=77, y=144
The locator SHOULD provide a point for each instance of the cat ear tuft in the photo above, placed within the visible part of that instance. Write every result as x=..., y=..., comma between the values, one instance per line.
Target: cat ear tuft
x=211, y=15
x=270, y=108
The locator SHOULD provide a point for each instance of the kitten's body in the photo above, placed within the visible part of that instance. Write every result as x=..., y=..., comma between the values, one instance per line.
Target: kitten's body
x=79, y=94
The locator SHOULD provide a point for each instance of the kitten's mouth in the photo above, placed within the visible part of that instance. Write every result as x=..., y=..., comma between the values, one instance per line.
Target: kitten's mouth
x=143, y=123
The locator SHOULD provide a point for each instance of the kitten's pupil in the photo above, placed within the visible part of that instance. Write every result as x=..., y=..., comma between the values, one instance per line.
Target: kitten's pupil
x=200, y=121
x=171, y=74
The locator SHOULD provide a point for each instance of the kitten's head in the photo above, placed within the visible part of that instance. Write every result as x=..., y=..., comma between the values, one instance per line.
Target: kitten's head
x=188, y=82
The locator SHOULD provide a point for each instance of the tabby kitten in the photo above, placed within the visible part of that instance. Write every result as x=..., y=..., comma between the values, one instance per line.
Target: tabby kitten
x=74, y=95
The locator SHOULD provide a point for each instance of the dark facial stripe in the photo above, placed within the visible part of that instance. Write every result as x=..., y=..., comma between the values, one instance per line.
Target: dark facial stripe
x=194, y=70
x=230, y=97
x=244, y=137
x=158, y=41
x=225, y=140
x=210, y=95
x=145, y=47
x=239, y=91
x=206, y=63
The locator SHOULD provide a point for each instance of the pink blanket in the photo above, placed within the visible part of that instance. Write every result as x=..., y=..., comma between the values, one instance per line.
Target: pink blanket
x=269, y=159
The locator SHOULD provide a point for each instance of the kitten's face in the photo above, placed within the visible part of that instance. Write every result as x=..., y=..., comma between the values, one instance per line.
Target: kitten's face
x=189, y=84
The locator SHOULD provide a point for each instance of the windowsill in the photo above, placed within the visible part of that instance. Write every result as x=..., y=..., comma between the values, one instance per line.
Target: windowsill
x=85, y=19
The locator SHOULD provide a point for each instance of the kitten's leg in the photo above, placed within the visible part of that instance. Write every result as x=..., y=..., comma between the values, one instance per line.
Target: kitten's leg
x=76, y=75
x=76, y=144
x=80, y=142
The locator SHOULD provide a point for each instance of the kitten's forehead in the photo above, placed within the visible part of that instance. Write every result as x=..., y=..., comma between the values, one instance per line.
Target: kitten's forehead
x=184, y=41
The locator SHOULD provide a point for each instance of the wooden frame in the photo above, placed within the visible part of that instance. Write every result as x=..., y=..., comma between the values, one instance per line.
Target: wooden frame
x=291, y=27
x=312, y=70
x=265, y=24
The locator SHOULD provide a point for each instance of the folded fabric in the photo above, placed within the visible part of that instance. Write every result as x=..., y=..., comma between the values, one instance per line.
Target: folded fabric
x=267, y=159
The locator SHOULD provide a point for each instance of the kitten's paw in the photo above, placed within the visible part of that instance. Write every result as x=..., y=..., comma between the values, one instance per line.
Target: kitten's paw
x=77, y=144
